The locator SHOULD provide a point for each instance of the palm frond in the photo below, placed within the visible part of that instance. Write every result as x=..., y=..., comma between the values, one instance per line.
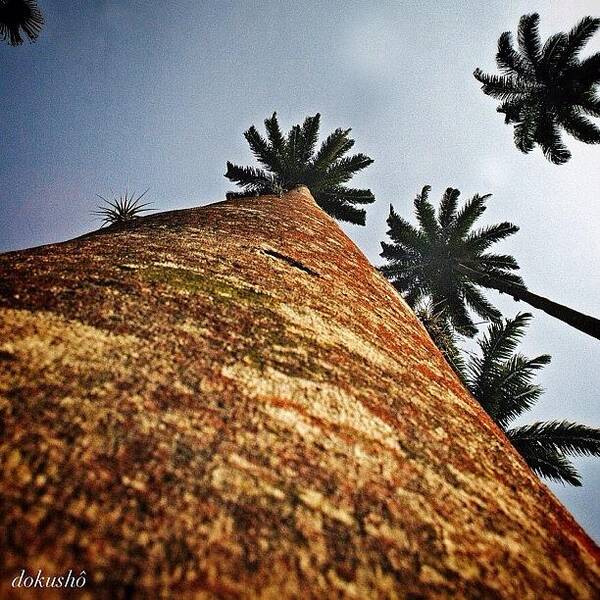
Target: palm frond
x=548, y=137
x=572, y=439
x=335, y=146
x=577, y=38
x=588, y=71
x=552, y=50
x=580, y=128
x=589, y=103
x=459, y=316
x=250, y=178
x=260, y=147
x=403, y=233
x=526, y=129
x=276, y=138
x=448, y=206
x=342, y=211
x=343, y=169
x=310, y=136
x=546, y=462
x=508, y=59
x=500, y=341
x=498, y=261
x=426, y=214
x=466, y=217
x=351, y=195
x=483, y=238
x=477, y=301
x=528, y=38
x=503, y=87
x=17, y=15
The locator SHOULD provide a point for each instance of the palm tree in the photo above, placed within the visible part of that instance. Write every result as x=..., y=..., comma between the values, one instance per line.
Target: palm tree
x=445, y=261
x=291, y=160
x=20, y=14
x=501, y=381
x=546, y=87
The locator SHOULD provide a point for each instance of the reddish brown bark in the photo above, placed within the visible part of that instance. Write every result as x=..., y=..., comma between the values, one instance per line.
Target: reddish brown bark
x=230, y=401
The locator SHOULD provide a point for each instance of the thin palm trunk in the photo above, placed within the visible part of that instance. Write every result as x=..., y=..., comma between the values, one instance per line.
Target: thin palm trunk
x=574, y=318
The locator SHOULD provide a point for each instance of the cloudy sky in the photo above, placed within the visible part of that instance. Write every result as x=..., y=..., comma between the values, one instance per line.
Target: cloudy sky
x=147, y=93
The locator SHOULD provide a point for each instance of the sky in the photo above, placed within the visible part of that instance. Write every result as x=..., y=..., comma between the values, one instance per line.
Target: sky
x=146, y=94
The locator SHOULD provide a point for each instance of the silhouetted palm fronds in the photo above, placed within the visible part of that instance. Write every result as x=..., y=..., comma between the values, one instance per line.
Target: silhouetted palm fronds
x=17, y=15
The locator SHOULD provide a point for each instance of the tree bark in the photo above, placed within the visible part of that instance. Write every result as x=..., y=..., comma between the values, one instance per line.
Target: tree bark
x=231, y=402
x=574, y=318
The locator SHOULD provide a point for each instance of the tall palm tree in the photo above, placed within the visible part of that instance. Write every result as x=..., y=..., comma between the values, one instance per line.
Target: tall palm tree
x=501, y=381
x=445, y=261
x=291, y=160
x=547, y=87
x=17, y=15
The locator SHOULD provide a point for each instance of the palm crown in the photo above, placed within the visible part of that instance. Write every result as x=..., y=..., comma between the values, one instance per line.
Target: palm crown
x=435, y=261
x=502, y=382
x=17, y=15
x=546, y=87
x=291, y=160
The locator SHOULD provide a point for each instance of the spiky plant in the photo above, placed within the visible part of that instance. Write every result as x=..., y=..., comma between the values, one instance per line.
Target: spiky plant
x=291, y=160
x=447, y=262
x=544, y=88
x=501, y=380
x=124, y=208
x=17, y=15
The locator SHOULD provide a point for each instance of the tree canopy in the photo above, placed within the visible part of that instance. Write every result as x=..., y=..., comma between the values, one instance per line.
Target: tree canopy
x=425, y=262
x=291, y=160
x=544, y=88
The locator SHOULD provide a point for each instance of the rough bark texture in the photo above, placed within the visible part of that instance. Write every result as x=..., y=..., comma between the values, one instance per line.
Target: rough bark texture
x=230, y=402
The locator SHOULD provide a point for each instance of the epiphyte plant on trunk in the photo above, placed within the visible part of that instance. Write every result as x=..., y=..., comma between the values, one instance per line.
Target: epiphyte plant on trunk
x=122, y=209
x=17, y=16
x=446, y=262
x=291, y=160
x=544, y=88
x=501, y=380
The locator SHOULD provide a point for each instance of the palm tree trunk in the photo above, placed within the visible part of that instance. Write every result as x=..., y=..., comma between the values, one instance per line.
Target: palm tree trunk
x=574, y=318
x=231, y=402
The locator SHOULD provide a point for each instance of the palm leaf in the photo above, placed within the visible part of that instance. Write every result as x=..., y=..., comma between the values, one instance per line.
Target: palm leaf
x=580, y=128
x=508, y=59
x=426, y=214
x=448, y=206
x=467, y=216
x=17, y=15
x=528, y=38
x=548, y=137
x=568, y=438
x=483, y=238
x=577, y=38
x=402, y=232
x=343, y=211
x=546, y=462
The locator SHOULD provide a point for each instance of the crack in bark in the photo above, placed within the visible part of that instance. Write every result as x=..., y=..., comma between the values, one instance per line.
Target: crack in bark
x=291, y=261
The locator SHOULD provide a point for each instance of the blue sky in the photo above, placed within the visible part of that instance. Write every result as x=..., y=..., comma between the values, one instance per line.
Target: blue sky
x=142, y=94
